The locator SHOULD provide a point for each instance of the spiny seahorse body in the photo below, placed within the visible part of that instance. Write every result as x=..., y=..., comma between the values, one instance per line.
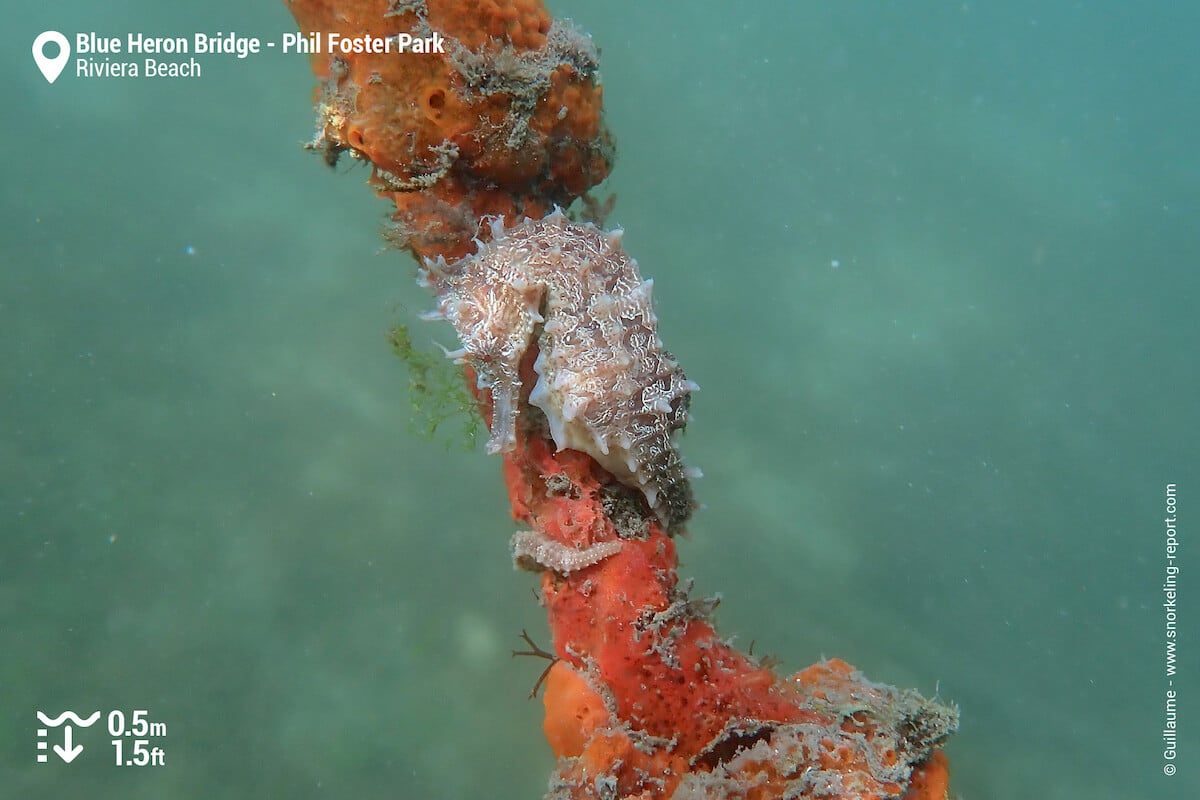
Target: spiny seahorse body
x=605, y=383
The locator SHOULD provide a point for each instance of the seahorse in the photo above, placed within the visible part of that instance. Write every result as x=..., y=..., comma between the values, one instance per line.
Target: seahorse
x=605, y=383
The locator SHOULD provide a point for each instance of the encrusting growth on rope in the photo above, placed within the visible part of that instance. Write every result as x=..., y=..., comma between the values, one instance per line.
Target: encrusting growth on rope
x=479, y=148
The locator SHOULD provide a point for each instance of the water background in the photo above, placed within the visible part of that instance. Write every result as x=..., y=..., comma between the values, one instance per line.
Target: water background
x=933, y=264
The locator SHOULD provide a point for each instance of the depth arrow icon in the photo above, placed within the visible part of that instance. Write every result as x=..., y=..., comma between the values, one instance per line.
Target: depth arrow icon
x=65, y=751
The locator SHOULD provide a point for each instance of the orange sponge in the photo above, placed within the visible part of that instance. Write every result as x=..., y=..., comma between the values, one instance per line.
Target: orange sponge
x=574, y=711
x=506, y=121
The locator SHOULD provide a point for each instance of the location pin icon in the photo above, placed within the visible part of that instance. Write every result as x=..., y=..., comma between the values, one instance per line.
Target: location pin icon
x=51, y=67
